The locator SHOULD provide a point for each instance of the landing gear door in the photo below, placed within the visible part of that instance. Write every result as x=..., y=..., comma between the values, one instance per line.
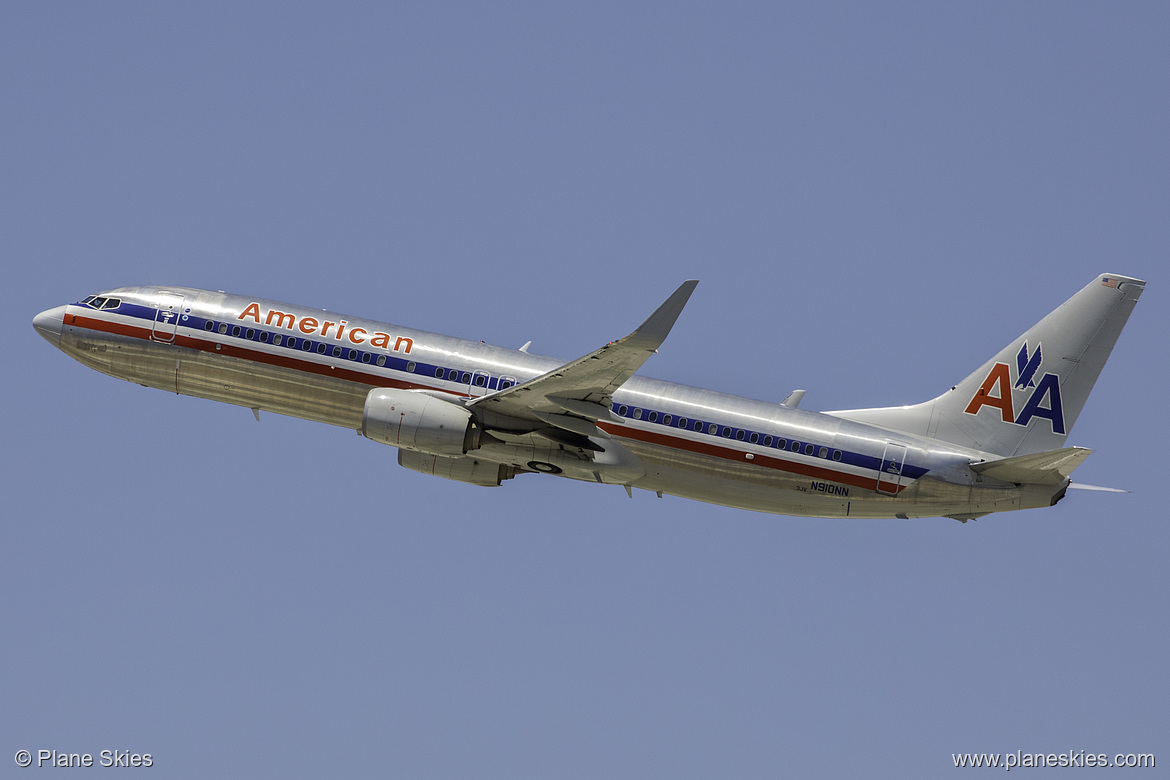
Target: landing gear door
x=166, y=318
x=890, y=477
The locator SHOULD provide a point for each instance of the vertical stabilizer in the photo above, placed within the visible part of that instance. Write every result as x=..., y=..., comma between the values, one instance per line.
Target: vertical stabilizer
x=1027, y=398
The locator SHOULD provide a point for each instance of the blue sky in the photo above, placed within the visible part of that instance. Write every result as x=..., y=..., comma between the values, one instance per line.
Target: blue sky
x=876, y=199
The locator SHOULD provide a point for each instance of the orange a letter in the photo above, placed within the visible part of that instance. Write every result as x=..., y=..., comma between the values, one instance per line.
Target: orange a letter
x=997, y=377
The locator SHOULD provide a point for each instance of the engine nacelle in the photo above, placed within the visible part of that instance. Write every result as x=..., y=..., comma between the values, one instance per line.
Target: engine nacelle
x=616, y=465
x=417, y=421
x=462, y=469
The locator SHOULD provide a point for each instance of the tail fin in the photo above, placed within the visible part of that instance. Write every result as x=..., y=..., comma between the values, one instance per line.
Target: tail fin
x=1027, y=398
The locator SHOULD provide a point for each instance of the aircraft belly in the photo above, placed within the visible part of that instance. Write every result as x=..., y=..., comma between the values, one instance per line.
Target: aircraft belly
x=221, y=378
x=274, y=389
x=742, y=485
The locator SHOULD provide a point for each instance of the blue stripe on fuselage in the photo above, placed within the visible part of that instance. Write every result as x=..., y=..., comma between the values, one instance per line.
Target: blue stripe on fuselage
x=353, y=354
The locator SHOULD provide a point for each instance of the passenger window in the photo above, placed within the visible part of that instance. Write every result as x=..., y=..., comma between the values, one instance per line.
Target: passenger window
x=320, y=349
x=306, y=345
x=823, y=452
x=726, y=432
x=251, y=334
x=712, y=428
x=698, y=425
x=381, y=360
x=365, y=357
x=836, y=454
x=209, y=325
x=795, y=446
x=782, y=444
x=335, y=352
x=739, y=435
x=409, y=366
x=622, y=410
x=223, y=327
x=263, y=337
x=466, y=378
x=682, y=422
x=505, y=384
x=755, y=437
x=438, y=372
x=652, y=417
x=637, y=414
x=767, y=441
x=808, y=449
x=666, y=419
x=235, y=330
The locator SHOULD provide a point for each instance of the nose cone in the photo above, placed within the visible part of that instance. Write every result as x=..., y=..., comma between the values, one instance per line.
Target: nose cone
x=48, y=324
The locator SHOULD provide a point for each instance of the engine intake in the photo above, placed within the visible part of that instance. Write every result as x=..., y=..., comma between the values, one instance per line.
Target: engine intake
x=413, y=420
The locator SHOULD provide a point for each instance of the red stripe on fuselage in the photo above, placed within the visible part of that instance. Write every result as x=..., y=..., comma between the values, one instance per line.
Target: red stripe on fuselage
x=243, y=353
x=621, y=431
x=727, y=453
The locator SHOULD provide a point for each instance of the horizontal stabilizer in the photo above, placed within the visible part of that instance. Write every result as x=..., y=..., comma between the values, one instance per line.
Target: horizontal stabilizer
x=1041, y=468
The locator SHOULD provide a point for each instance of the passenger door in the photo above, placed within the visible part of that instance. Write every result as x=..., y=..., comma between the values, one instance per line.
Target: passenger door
x=166, y=318
x=890, y=477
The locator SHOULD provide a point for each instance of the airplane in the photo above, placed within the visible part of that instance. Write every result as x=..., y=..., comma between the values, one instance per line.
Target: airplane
x=481, y=414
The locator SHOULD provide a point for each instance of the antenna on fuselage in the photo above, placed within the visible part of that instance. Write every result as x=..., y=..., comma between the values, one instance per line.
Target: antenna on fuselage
x=793, y=399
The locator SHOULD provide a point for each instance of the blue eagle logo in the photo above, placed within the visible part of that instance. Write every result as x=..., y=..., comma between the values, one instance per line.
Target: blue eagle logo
x=1026, y=367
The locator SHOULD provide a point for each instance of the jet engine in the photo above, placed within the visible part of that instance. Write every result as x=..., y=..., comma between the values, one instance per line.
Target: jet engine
x=414, y=420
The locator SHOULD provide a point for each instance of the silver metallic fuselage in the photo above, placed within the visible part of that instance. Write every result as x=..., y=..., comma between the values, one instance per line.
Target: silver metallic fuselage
x=223, y=347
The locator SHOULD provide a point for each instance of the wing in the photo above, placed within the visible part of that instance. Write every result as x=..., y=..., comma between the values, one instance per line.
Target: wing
x=575, y=395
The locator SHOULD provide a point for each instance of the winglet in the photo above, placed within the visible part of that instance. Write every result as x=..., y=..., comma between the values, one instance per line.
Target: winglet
x=651, y=333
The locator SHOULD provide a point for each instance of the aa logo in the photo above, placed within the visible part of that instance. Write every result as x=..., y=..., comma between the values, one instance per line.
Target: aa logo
x=1042, y=397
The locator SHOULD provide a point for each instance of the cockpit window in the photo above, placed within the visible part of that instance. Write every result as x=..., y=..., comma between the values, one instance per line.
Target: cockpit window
x=98, y=302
